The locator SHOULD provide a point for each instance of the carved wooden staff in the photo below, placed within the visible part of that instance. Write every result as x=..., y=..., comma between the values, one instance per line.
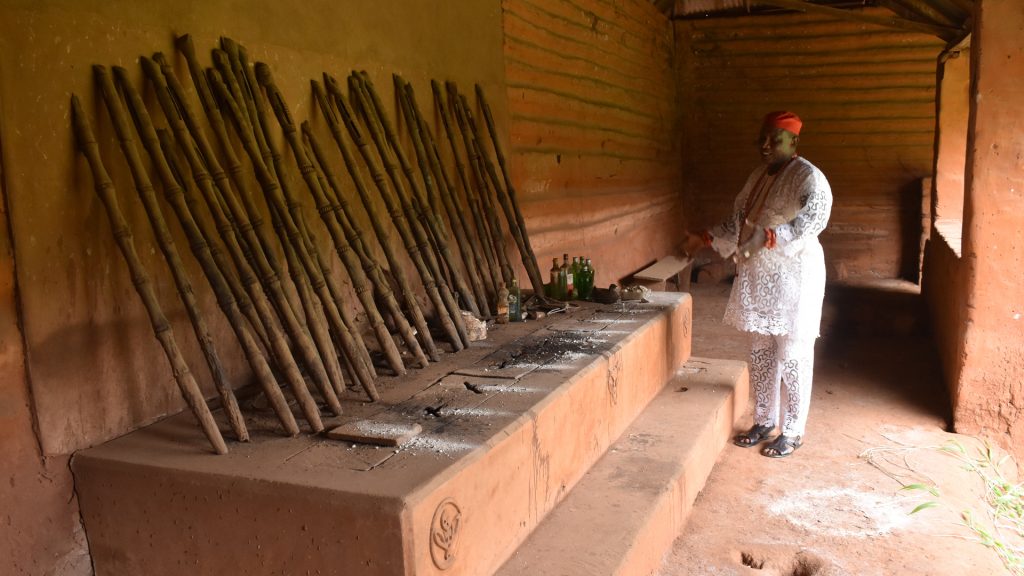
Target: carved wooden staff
x=440, y=194
x=204, y=251
x=171, y=97
x=147, y=195
x=235, y=173
x=350, y=259
x=331, y=205
x=359, y=251
x=483, y=194
x=487, y=185
x=221, y=279
x=426, y=196
x=418, y=199
x=482, y=249
x=315, y=320
x=240, y=229
x=385, y=140
x=495, y=242
x=208, y=235
x=140, y=279
x=201, y=240
x=346, y=314
x=272, y=192
x=397, y=216
x=453, y=208
x=303, y=310
x=377, y=223
x=216, y=190
x=349, y=340
x=507, y=197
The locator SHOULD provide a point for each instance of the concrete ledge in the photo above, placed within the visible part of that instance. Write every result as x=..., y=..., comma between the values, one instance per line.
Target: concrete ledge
x=624, y=514
x=457, y=500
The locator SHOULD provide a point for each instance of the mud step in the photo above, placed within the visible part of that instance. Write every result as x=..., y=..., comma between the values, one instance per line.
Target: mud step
x=625, y=512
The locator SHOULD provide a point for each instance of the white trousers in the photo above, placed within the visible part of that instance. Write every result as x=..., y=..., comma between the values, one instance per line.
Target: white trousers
x=777, y=361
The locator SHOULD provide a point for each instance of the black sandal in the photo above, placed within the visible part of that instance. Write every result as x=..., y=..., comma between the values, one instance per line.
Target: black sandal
x=782, y=446
x=758, y=433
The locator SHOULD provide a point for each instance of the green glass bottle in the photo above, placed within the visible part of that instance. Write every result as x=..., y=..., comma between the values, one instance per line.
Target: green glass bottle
x=586, y=282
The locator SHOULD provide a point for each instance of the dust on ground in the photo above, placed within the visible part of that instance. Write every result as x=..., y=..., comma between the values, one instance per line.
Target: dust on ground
x=878, y=422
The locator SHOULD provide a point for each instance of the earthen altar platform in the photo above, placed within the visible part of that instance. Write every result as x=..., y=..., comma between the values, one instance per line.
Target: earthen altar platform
x=510, y=425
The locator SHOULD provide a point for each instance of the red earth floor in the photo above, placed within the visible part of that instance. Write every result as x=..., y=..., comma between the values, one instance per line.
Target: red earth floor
x=877, y=422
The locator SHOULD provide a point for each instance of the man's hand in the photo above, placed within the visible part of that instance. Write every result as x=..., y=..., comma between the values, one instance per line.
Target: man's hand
x=692, y=243
x=751, y=247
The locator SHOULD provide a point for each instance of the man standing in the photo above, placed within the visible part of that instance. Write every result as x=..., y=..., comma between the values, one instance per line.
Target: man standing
x=780, y=283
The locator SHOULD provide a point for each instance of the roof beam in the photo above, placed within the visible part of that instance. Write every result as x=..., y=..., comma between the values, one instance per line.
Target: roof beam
x=926, y=11
x=943, y=32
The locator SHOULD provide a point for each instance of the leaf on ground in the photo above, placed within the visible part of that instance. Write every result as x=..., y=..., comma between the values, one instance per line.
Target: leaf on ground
x=924, y=506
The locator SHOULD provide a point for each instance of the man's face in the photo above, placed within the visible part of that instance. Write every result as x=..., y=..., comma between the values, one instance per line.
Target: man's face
x=777, y=145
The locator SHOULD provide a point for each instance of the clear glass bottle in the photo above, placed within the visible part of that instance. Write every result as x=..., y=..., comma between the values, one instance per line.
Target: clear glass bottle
x=566, y=278
x=515, y=302
x=555, y=280
x=503, y=295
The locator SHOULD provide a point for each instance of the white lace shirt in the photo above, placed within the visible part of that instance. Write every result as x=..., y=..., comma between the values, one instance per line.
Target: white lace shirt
x=780, y=290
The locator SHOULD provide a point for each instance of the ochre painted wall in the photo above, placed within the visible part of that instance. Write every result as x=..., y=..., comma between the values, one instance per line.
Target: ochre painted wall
x=990, y=390
x=594, y=130
x=866, y=95
x=90, y=368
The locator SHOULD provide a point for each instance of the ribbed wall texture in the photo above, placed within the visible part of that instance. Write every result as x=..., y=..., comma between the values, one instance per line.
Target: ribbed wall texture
x=593, y=130
x=867, y=98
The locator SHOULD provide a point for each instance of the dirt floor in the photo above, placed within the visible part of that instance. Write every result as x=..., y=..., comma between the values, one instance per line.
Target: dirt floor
x=878, y=422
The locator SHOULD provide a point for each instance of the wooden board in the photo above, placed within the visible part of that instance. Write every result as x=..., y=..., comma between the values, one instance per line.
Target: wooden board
x=375, y=432
x=663, y=269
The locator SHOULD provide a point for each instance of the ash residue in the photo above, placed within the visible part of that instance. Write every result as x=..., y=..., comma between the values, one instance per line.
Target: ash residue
x=558, y=348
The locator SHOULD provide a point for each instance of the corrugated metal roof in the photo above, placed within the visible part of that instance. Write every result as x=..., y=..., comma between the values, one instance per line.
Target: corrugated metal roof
x=946, y=19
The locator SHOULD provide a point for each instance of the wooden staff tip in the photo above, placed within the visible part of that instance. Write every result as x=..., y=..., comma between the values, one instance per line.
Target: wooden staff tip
x=220, y=57
x=151, y=67
x=263, y=74
x=121, y=73
x=79, y=120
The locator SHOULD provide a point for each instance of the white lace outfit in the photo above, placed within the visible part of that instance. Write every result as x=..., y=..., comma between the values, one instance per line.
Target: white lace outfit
x=778, y=291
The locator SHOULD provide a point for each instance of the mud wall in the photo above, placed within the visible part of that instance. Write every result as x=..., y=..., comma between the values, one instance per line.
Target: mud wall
x=866, y=95
x=40, y=531
x=943, y=286
x=594, y=130
x=943, y=278
x=951, y=135
x=990, y=390
x=85, y=366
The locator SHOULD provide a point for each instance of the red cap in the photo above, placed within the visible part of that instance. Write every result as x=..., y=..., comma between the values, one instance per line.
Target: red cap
x=784, y=120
